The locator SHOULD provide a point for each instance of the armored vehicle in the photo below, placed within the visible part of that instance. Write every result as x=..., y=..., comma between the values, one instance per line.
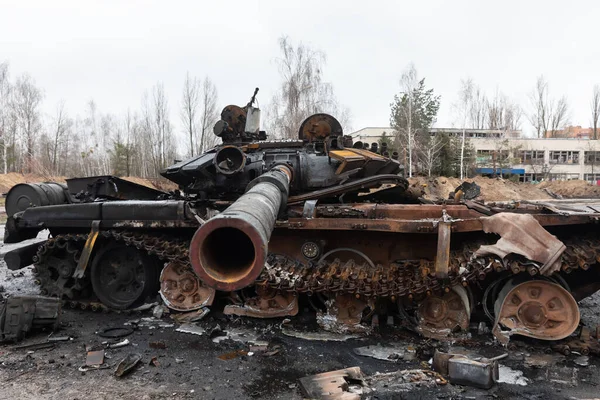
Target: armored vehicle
x=265, y=223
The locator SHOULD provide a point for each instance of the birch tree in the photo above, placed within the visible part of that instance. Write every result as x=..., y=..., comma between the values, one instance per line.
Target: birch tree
x=303, y=90
x=62, y=125
x=26, y=104
x=413, y=112
x=209, y=115
x=5, y=91
x=189, y=109
x=464, y=106
x=595, y=106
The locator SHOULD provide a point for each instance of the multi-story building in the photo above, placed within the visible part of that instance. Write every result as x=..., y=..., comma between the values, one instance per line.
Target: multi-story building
x=531, y=159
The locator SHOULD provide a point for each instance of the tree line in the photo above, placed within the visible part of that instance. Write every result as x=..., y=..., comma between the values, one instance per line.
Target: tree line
x=142, y=141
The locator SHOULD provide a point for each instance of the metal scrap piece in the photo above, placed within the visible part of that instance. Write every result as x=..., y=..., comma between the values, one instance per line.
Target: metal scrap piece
x=127, y=364
x=94, y=358
x=332, y=385
x=20, y=314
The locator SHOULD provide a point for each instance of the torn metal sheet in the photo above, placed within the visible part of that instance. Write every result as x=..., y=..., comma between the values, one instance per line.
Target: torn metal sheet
x=334, y=385
x=192, y=329
x=522, y=234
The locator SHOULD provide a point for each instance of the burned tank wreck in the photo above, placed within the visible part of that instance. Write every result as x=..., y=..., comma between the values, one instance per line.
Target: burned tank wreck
x=264, y=224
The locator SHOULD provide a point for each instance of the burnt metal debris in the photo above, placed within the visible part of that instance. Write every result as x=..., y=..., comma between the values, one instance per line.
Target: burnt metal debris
x=274, y=221
x=21, y=314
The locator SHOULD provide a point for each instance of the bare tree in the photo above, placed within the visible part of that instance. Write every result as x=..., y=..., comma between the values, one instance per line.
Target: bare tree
x=62, y=124
x=208, y=116
x=5, y=91
x=595, y=105
x=189, y=108
x=559, y=116
x=540, y=115
x=26, y=103
x=157, y=129
x=503, y=114
x=464, y=107
x=303, y=91
x=548, y=115
x=430, y=153
x=478, y=108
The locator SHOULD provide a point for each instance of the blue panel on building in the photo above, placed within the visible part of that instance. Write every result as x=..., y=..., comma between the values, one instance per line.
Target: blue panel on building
x=505, y=171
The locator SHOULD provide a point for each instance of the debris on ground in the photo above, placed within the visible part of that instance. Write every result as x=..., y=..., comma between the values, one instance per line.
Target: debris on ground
x=582, y=361
x=464, y=370
x=144, y=307
x=238, y=335
x=232, y=354
x=159, y=310
x=319, y=336
x=115, y=332
x=511, y=376
x=122, y=343
x=94, y=358
x=402, y=381
x=341, y=384
x=159, y=344
x=21, y=314
x=192, y=329
x=149, y=322
x=127, y=364
x=388, y=353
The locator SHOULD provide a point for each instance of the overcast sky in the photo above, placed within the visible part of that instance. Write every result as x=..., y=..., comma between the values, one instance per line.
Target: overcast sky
x=112, y=51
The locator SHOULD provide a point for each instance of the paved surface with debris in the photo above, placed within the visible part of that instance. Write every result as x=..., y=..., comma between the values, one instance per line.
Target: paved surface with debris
x=243, y=358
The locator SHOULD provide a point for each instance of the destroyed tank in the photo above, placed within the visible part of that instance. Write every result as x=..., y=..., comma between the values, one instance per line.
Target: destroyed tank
x=265, y=224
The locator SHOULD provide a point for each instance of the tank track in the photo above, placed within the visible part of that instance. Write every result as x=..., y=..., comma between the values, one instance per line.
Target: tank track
x=403, y=278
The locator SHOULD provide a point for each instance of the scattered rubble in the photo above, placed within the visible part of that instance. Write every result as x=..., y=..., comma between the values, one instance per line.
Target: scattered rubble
x=127, y=364
x=192, y=329
x=511, y=376
x=388, y=353
x=333, y=385
x=319, y=336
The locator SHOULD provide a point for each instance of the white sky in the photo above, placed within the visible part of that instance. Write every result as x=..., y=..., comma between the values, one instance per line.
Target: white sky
x=112, y=51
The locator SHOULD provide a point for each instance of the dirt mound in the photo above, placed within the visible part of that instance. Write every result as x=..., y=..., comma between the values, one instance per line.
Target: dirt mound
x=574, y=189
x=491, y=189
x=13, y=178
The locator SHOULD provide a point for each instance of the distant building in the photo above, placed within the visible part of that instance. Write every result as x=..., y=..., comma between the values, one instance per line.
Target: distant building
x=574, y=157
x=373, y=134
x=573, y=132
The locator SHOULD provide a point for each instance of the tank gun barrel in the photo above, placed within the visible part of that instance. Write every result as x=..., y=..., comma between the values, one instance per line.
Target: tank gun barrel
x=229, y=251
